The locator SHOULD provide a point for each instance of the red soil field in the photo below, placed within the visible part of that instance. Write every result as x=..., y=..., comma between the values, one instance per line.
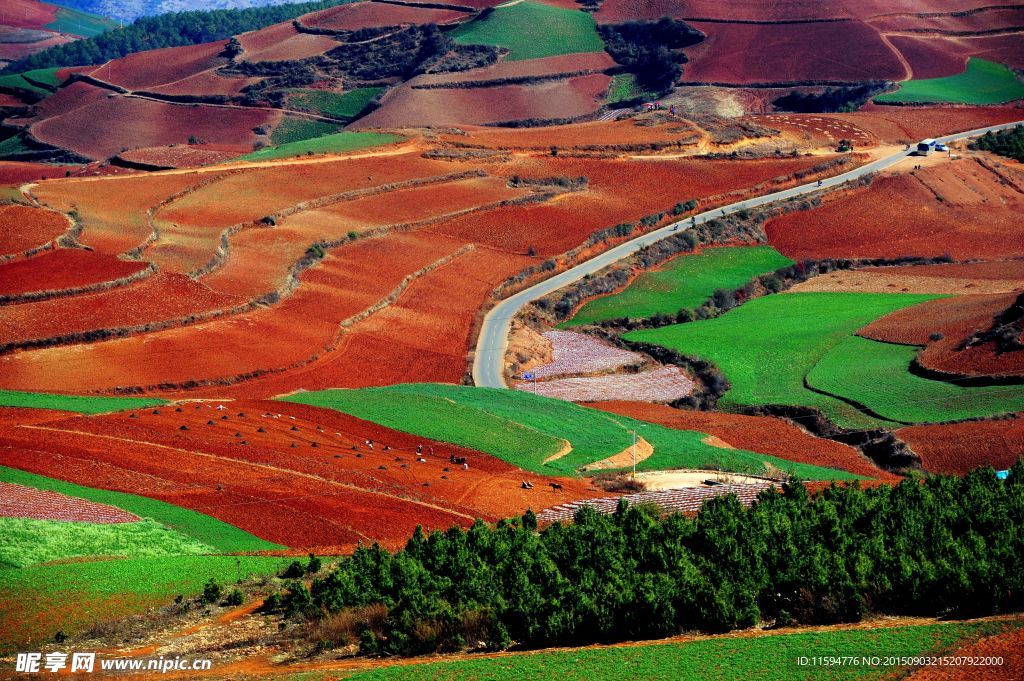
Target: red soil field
x=108, y=126
x=205, y=83
x=561, y=64
x=23, y=228
x=790, y=52
x=356, y=15
x=260, y=258
x=405, y=106
x=281, y=42
x=11, y=50
x=163, y=296
x=188, y=156
x=66, y=99
x=62, y=268
x=986, y=19
x=146, y=70
x=786, y=10
x=936, y=56
x=301, y=496
x=6, y=99
x=904, y=124
x=113, y=212
x=1004, y=646
x=28, y=13
x=597, y=133
x=900, y=215
x=17, y=172
x=18, y=501
x=757, y=434
x=619, y=190
x=957, y=448
x=819, y=129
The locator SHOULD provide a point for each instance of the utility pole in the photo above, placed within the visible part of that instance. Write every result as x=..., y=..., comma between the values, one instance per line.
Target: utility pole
x=634, y=454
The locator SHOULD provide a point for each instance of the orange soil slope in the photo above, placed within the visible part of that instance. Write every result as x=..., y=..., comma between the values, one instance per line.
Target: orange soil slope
x=281, y=42
x=755, y=433
x=968, y=209
x=62, y=268
x=958, y=448
x=23, y=228
x=147, y=70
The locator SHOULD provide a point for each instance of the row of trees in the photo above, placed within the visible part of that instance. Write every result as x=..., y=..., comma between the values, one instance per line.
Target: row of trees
x=1005, y=142
x=165, y=30
x=947, y=546
x=832, y=99
x=649, y=49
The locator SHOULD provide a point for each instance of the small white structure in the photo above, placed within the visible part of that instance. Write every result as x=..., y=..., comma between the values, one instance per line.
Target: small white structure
x=926, y=147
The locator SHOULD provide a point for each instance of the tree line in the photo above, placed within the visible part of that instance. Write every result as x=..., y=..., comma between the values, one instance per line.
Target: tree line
x=1005, y=143
x=166, y=30
x=650, y=49
x=945, y=546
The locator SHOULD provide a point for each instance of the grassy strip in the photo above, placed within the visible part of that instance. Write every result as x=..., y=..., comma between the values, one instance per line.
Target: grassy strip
x=531, y=31
x=345, y=105
x=771, y=657
x=300, y=129
x=25, y=541
x=328, y=144
x=77, y=403
x=201, y=528
x=768, y=345
x=39, y=600
x=16, y=82
x=683, y=283
x=525, y=429
x=982, y=82
x=875, y=374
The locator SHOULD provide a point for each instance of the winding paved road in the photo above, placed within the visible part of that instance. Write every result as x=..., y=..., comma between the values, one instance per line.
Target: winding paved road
x=489, y=361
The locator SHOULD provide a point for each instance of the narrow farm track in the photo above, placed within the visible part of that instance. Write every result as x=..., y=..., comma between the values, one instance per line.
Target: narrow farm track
x=492, y=343
x=269, y=467
x=908, y=69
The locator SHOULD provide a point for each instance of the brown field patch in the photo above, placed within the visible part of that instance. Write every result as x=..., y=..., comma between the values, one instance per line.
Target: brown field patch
x=958, y=448
x=147, y=70
x=757, y=434
x=907, y=124
x=664, y=384
x=407, y=106
x=23, y=228
x=525, y=68
x=934, y=56
x=178, y=156
x=953, y=279
x=578, y=135
x=790, y=52
x=356, y=15
x=910, y=215
x=206, y=83
x=108, y=126
x=18, y=501
x=28, y=13
x=281, y=42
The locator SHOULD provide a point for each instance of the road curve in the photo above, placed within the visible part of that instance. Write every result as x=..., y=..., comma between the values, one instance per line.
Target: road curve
x=492, y=343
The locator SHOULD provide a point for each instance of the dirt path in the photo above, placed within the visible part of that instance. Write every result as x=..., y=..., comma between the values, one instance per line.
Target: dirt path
x=624, y=459
x=907, y=68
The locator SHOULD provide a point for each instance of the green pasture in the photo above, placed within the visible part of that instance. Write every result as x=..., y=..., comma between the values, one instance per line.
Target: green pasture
x=338, y=105
x=770, y=657
x=339, y=142
x=767, y=346
x=683, y=283
x=874, y=374
x=76, y=403
x=531, y=30
x=526, y=429
x=291, y=130
x=982, y=82
x=25, y=541
x=200, y=528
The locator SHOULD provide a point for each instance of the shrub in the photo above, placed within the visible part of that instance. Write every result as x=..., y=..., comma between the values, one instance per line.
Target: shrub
x=212, y=592
x=235, y=597
x=293, y=571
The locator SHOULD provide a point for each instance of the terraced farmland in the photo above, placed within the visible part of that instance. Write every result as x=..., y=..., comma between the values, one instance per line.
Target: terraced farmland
x=682, y=284
x=767, y=347
x=536, y=433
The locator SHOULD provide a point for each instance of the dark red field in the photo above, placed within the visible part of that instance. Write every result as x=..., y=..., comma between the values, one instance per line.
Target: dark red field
x=959, y=447
x=62, y=269
x=282, y=42
x=147, y=70
x=356, y=15
x=23, y=228
x=937, y=56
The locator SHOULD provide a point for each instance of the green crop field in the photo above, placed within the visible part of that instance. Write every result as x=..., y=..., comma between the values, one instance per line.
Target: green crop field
x=291, y=130
x=328, y=144
x=530, y=31
x=624, y=86
x=40, y=600
x=17, y=82
x=75, y=403
x=875, y=375
x=525, y=429
x=982, y=82
x=767, y=346
x=345, y=105
x=768, y=657
x=683, y=283
x=79, y=23
x=26, y=541
x=13, y=145
x=199, y=527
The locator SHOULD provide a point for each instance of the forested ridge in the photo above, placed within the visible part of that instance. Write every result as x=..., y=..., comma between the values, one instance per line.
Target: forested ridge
x=943, y=547
x=166, y=30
